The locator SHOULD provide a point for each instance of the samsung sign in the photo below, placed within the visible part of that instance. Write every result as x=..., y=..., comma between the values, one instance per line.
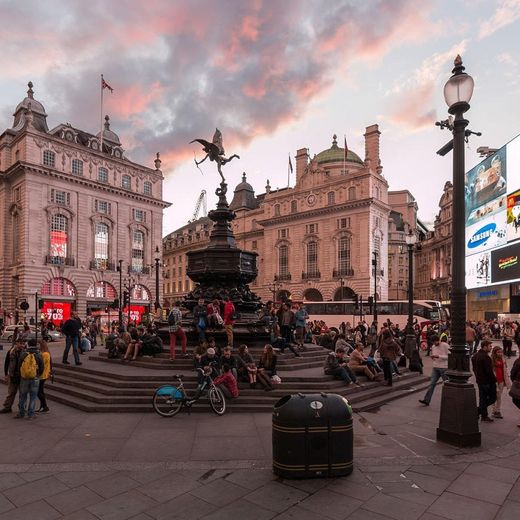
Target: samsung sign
x=482, y=236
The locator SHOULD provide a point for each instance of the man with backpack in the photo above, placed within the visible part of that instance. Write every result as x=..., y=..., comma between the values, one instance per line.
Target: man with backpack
x=12, y=373
x=176, y=330
x=31, y=366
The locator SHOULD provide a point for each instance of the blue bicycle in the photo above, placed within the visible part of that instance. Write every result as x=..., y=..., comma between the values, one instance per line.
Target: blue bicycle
x=168, y=400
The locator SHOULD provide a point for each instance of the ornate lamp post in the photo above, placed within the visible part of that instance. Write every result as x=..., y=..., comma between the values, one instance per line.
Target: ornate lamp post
x=458, y=422
x=410, y=343
x=157, y=261
x=374, y=264
x=120, y=269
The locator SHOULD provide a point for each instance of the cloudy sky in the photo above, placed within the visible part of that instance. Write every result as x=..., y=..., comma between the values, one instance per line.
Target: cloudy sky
x=273, y=75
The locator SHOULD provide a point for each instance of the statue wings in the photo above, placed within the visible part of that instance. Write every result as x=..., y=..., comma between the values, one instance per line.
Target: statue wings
x=215, y=148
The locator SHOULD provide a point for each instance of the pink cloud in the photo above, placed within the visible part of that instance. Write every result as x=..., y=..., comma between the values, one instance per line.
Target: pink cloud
x=411, y=109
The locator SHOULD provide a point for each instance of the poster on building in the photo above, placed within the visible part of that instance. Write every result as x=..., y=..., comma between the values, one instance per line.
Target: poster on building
x=486, y=234
x=513, y=165
x=487, y=210
x=57, y=312
x=486, y=181
x=513, y=216
x=478, y=270
x=505, y=263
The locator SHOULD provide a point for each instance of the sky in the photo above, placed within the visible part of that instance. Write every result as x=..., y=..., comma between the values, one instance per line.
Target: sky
x=273, y=76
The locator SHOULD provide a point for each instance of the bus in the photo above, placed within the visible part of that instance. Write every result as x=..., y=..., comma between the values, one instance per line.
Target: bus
x=334, y=313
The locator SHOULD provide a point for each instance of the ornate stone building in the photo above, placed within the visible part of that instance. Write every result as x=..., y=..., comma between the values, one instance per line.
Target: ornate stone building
x=433, y=261
x=316, y=240
x=71, y=213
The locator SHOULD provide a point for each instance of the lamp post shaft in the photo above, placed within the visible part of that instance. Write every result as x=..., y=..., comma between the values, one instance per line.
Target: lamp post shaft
x=120, y=317
x=374, y=262
x=410, y=341
x=157, y=301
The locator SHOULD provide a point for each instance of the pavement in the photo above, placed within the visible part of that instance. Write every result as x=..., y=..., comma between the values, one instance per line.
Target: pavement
x=75, y=465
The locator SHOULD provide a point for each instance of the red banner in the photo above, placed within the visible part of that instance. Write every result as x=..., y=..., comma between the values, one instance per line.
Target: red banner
x=56, y=312
x=136, y=313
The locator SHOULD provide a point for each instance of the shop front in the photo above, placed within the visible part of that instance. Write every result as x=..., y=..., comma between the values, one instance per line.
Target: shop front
x=486, y=303
x=101, y=297
x=57, y=300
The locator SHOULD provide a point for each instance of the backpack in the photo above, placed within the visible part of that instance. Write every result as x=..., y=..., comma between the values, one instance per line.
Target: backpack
x=174, y=319
x=29, y=368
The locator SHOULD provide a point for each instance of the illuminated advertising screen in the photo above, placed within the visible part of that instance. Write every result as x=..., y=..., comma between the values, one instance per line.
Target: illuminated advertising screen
x=492, y=196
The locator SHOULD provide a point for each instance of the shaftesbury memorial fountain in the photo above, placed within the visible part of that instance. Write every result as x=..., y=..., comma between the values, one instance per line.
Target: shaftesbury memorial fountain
x=222, y=269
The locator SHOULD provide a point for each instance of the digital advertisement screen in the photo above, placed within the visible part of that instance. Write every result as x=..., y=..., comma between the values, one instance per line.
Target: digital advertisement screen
x=492, y=196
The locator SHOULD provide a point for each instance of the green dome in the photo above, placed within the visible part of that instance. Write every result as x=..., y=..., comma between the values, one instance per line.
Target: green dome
x=336, y=154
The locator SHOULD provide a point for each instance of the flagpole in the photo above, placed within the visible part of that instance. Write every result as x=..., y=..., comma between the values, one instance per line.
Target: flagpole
x=345, y=154
x=289, y=171
x=101, y=114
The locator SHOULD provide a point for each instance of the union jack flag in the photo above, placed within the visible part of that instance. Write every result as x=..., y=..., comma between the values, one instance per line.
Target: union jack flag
x=104, y=85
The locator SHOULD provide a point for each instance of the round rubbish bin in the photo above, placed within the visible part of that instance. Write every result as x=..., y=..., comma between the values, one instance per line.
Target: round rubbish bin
x=312, y=436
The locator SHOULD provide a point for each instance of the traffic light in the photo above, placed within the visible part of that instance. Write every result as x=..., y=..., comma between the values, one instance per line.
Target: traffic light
x=115, y=305
x=370, y=303
x=126, y=299
x=356, y=301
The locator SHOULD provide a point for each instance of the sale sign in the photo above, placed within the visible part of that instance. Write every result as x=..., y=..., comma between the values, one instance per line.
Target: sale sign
x=56, y=312
x=136, y=313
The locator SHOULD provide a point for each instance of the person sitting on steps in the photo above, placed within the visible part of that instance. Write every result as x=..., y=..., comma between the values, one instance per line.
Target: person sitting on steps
x=359, y=363
x=336, y=365
x=267, y=367
x=247, y=370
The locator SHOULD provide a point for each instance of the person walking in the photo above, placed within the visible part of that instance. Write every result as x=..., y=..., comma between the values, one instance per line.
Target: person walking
x=471, y=337
x=486, y=380
x=229, y=314
x=46, y=373
x=31, y=366
x=72, y=329
x=389, y=350
x=300, y=317
x=12, y=373
x=439, y=356
x=200, y=319
x=508, y=333
x=515, y=387
x=502, y=376
x=176, y=330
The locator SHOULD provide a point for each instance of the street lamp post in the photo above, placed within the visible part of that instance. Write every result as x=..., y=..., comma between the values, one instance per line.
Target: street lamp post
x=374, y=263
x=157, y=260
x=458, y=421
x=275, y=285
x=410, y=343
x=120, y=269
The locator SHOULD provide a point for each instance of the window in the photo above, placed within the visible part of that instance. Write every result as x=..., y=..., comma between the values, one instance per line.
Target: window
x=331, y=197
x=294, y=206
x=126, y=182
x=17, y=195
x=254, y=244
x=60, y=197
x=58, y=242
x=139, y=215
x=344, y=223
x=102, y=206
x=283, y=260
x=283, y=233
x=101, y=242
x=137, y=251
x=102, y=290
x=49, y=158
x=312, y=257
x=58, y=287
x=102, y=175
x=77, y=167
x=147, y=188
x=311, y=228
x=351, y=193
x=277, y=210
x=344, y=255
x=17, y=155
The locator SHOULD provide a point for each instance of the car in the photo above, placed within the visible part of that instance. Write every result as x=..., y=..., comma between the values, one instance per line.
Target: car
x=55, y=335
x=8, y=333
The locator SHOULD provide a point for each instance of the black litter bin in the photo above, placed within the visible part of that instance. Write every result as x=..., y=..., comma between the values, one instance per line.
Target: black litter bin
x=312, y=436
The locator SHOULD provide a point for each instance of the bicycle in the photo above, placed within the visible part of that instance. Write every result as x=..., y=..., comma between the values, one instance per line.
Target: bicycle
x=168, y=399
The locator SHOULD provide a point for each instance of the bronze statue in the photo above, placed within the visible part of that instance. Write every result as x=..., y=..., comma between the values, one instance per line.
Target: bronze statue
x=215, y=152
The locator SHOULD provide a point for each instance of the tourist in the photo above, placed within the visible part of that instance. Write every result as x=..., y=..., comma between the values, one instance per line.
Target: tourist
x=389, y=350
x=214, y=318
x=439, y=356
x=300, y=317
x=337, y=366
x=176, y=331
x=486, y=380
x=31, y=366
x=359, y=363
x=247, y=370
x=46, y=373
x=372, y=338
x=341, y=342
x=12, y=373
x=286, y=320
x=515, y=387
x=229, y=360
x=267, y=366
x=279, y=343
x=71, y=328
x=210, y=363
x=471, y=337
x=508, y=333
x=229, y=320
x=198, y=352
x=200, y=319
x=135, y=344
x=227, y=383
x=502, y=376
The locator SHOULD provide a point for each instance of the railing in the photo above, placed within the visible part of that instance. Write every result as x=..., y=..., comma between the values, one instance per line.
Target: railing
x=338, y=273
x=311, y=275
x=102, y=264
x=132, y=269
x=59, y=260
x=282, y=277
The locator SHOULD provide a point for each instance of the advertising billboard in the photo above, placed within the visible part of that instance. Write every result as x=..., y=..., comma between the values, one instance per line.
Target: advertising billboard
x=492, y=196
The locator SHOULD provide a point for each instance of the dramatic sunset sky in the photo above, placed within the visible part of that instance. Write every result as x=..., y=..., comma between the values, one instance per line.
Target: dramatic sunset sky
x=273, y=75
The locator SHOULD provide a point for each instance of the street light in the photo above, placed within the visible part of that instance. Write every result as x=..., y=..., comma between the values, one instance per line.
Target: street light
x=410, y=343
x=157, y=260
x=458, y=421
x=120, y=269
x=374, y=263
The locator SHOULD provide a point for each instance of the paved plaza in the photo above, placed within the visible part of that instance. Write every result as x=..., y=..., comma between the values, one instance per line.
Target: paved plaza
x=74, y=465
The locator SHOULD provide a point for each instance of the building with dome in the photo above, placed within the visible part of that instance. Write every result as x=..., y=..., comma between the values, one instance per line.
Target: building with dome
x=316, y=240
x=74, y=209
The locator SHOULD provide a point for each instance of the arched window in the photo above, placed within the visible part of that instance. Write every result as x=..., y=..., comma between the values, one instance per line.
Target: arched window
x=77, y=167
x=126, y=182
x=102, y=175
x=58, y=238
x=101, y=245
x=102, y=290
x=137, y=251
x=277, y=210
x=352, y=193
x=283, y=261
x=312, y=295
x=140, y=292
x=312, y=258
x=58, y=287
x=147, y=188
x=331, y=198
x=49, y=158
x=344, y=256
x=294, y=206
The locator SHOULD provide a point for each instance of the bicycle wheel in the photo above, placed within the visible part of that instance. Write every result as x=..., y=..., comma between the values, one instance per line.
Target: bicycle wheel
x=217, y=401
x=164, y=402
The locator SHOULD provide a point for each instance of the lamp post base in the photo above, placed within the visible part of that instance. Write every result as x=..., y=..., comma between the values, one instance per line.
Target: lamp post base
x=410, y=344
x=458, y=422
